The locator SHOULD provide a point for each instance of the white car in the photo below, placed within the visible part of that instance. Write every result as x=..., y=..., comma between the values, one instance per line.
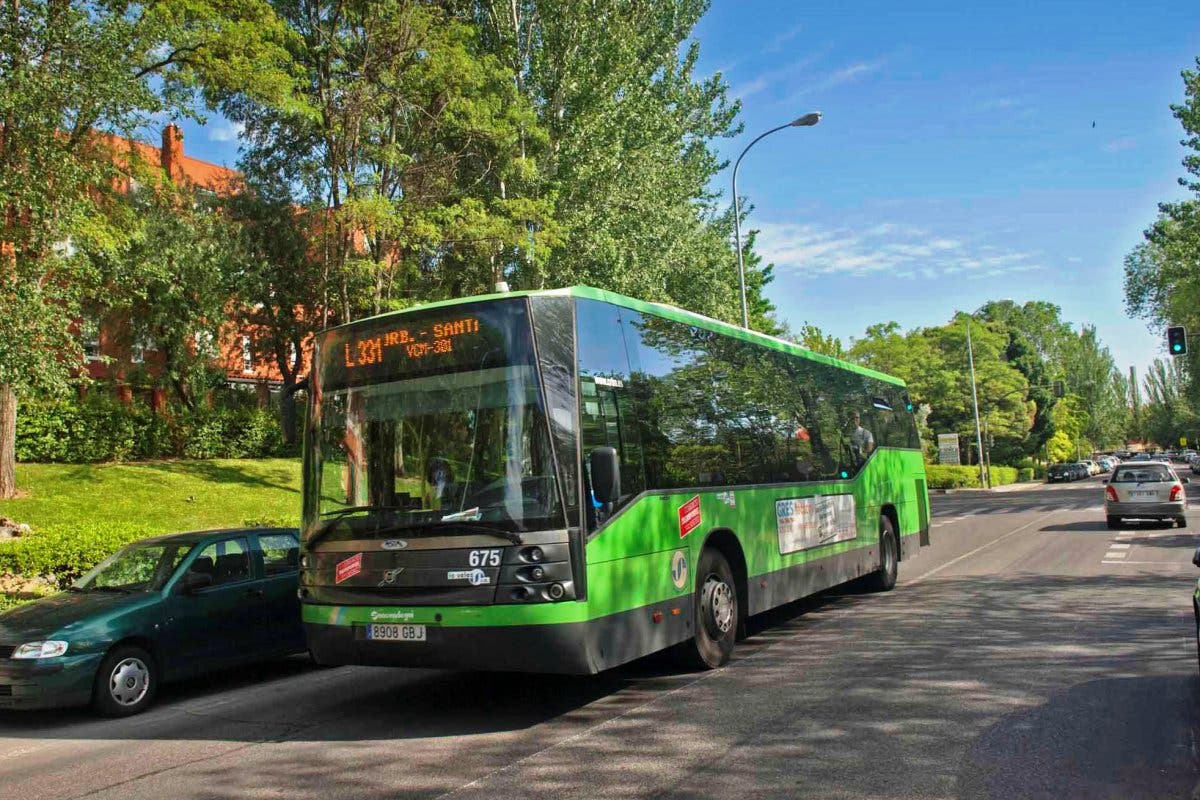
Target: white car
x=1145, y=490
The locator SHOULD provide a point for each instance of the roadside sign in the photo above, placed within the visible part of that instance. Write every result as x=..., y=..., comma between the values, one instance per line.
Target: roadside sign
x=948, y=448
x=1183, y=441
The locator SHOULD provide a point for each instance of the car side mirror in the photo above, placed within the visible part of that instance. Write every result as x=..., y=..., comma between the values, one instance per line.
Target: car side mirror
x=606, y=474
x=195, y=581
x=1185, y=480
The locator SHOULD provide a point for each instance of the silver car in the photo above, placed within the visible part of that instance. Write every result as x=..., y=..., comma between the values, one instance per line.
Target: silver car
x=1145, y=490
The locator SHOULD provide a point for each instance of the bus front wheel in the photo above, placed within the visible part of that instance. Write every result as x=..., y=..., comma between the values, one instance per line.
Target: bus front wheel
x=715, y=612
x=884, y=578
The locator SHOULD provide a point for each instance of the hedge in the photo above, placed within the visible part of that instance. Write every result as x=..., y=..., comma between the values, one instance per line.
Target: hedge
x=946, y=476
x=65, y=553
x=100, y=428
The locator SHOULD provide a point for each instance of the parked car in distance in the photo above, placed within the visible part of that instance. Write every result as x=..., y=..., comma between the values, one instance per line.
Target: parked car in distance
x=1195, y=466
x=1145, y=491
x=155, y=611
x=1059, y=473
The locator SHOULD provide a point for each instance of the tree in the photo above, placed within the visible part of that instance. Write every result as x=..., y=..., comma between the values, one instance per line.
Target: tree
x=628, y=155
x=71, y=74
x=408, y=145
x=174, y=283
x=277, y=288
x=1162, y=274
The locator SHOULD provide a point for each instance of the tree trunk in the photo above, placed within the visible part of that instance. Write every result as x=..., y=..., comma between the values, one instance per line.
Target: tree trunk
x=8, y=441
x=287, y=413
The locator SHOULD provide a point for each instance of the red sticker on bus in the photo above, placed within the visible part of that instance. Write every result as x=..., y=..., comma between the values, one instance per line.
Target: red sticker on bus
x=347, y=568
x=689, y=516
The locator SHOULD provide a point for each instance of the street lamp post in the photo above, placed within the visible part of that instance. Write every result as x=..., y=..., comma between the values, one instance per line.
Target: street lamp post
x=808, y=120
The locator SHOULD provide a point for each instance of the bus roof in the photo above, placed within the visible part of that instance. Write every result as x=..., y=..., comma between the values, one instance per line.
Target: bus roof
x=658, y=309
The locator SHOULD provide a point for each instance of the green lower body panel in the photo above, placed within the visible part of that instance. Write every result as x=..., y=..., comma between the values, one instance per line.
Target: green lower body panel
x=580, y=648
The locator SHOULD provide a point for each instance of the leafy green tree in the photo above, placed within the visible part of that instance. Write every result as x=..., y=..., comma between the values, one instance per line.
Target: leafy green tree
x=174, y=279
x=410, y=146
x=1162, y=274
x=276, y=283
x=70, y=74
x=628, y=155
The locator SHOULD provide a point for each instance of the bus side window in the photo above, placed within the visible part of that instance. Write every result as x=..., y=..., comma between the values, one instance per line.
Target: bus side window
x=606, y=405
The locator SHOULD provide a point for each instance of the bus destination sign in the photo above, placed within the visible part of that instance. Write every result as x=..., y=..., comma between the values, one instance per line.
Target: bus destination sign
x=412, y=343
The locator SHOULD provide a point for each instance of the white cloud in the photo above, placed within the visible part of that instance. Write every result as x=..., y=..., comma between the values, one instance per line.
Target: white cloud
x=1120, y=145
x=846, y=74
x=885, y=248
x=226, y=132
x=765, y=80
x=776, y=44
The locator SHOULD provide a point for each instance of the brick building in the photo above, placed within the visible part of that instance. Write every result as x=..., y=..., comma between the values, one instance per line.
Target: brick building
x=114, y=358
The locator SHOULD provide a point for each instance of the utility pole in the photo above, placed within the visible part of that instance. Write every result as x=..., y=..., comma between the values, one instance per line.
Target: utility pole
x=975, y=402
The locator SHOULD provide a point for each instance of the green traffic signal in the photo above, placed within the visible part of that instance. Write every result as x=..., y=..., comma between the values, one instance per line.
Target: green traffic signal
x=1177, y=340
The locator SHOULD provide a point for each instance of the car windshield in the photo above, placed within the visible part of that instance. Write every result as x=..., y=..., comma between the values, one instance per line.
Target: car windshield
x=434, y=440
x=137, y=568
x=1147, y=474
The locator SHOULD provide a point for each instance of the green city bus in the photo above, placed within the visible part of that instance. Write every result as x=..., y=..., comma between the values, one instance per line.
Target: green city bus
x=567, y=480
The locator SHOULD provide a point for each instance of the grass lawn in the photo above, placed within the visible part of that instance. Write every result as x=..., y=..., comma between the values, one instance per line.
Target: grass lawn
x=158, y=496
x=82, y=512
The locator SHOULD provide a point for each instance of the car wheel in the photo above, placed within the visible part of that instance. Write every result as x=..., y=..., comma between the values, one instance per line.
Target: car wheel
x=1181, y=522
x=1113, y=522
x=715, y=611
x=125, y=683
x=884, y=578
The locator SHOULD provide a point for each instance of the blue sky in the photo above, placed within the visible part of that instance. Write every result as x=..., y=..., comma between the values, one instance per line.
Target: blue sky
x=957, y=161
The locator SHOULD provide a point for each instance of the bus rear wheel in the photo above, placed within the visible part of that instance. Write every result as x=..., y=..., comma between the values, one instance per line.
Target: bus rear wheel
x=715, y=613
x=884, y=578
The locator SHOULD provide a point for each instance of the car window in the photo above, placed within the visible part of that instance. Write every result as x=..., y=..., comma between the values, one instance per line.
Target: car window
x=227, y=561
x=1149, y=474
x=280, y=552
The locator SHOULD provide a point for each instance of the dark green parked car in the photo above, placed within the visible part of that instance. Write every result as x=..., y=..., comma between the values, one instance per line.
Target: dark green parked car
x=155, y=611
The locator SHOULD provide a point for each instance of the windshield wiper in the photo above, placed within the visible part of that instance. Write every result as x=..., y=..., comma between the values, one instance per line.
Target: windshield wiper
x=433, y=528
x=331, y=517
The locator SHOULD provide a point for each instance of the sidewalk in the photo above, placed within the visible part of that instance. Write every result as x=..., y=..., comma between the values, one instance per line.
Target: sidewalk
x=1010, y=487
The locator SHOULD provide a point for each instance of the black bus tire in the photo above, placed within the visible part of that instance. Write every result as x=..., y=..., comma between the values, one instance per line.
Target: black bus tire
x=715, y=614
x=883, y=579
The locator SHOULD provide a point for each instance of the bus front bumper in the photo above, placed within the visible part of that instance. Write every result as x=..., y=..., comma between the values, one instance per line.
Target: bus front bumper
x=561, y=648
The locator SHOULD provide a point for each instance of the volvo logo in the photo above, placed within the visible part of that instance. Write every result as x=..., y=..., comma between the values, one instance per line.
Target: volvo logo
x=394, y=544
x=390, y=576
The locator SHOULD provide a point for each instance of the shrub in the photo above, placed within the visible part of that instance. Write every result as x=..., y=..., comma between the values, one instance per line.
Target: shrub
x=948, y=476
x=1002, y=476
x=64, y=553
x=101, y=428
x=1025, y=474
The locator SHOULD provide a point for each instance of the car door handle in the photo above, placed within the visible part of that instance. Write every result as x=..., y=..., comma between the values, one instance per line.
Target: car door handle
x=255, y=593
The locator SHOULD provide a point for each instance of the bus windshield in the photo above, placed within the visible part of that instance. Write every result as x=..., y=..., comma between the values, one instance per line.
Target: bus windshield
x=463, y=443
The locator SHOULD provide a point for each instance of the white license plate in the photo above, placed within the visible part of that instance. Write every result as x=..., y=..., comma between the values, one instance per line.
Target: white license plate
x=1143, y=495
x=396, y=633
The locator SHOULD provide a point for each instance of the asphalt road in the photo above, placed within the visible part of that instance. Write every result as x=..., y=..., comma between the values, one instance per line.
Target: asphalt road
x=1030, y=652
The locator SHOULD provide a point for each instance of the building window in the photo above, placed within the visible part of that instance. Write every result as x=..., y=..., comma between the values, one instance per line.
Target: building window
x=205, y=347
x=247, y=356
x=137, y=351
x=89, y=336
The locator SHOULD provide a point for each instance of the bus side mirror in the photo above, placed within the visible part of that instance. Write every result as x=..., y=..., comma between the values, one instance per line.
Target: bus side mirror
x=606, y=474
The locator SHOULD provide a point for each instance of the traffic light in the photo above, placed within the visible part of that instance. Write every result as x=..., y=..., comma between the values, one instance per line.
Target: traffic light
x=1177, y=340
